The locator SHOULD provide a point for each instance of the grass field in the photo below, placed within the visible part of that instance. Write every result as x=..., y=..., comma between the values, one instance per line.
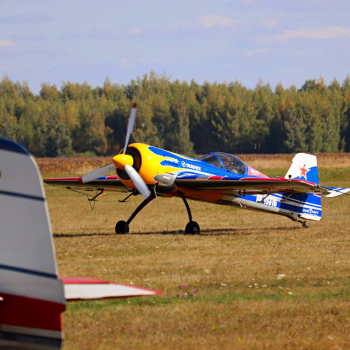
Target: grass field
x=262, y=281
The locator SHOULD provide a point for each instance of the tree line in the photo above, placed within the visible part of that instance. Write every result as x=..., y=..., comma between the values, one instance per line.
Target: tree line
x=182, y=117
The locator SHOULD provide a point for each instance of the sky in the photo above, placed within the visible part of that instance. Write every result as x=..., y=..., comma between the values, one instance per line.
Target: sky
x=278, y=41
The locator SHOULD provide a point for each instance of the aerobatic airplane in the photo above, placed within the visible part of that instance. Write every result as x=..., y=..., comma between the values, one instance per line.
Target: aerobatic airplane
x=32, y=296
x=217, y=177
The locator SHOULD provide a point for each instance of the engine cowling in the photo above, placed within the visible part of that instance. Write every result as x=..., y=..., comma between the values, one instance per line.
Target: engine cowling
x=145, y=162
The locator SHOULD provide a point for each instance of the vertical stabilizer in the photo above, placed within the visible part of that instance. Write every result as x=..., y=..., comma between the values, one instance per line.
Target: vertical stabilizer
x=304, y=167
x=31, y=296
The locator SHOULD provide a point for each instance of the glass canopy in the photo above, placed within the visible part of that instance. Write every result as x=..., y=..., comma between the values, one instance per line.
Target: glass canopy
x=225, y=161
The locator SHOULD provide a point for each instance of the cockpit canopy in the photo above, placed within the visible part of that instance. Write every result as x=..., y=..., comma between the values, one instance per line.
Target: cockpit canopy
x=225, y=161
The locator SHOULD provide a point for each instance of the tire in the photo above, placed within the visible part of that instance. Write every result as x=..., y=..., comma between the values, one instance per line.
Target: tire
x=121, y=228
x=192, y=228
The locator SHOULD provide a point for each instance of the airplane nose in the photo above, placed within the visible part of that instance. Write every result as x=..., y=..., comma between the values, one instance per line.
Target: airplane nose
x=121, y=160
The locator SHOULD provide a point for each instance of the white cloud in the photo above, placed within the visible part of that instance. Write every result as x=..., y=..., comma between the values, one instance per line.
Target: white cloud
x=135, y=30
x=5, y=68
x=255, y=52
x=269, y=23
x=316, y=33
x=249, y=2
x=212, y=20
x=179, y=25
x=6, y=43
x=31, y=19
x=124, y=62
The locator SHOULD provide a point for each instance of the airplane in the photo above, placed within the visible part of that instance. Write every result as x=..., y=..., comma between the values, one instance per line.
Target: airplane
x=32, y=296
x=218, y=178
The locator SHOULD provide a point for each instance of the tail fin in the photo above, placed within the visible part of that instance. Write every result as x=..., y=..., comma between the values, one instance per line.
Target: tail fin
x=32, y=296
x=304, y=167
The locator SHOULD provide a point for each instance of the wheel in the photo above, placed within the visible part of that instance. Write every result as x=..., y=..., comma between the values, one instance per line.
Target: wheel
x=192, y=228
x=121, y=227
x=304, y=224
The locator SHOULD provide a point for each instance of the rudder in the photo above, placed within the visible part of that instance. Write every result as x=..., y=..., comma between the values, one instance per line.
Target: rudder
x=304, y=167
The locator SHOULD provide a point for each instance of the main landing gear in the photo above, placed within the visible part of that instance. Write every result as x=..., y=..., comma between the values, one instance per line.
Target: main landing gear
x=122, y=227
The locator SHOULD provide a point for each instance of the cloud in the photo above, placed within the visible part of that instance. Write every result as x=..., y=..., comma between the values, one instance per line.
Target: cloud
x=294, y=6
x=249, y=2
x=181, y=25
x=269, y=23
x=255, y=52
x=119, y=32
x=31, y=19
x=135, y=30
x=316, y=33
x=28, y=37
x=124, y=62
x=213, y=20
x=6, y=43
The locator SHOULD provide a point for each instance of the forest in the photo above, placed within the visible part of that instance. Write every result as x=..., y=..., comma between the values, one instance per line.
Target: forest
x=187, y=118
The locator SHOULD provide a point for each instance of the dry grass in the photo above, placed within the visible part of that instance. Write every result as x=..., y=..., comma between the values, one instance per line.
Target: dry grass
x=234, y=264
x=259, y=161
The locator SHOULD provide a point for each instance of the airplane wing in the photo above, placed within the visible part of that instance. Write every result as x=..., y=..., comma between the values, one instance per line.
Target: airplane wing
x=107, y=183
x=256, y=185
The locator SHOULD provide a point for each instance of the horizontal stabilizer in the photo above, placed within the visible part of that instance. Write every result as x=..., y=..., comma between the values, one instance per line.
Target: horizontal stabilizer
x=336, y=191
x=88, y=288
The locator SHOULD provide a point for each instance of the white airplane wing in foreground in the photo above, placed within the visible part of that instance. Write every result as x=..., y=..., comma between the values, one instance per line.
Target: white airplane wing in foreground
x=32, y=297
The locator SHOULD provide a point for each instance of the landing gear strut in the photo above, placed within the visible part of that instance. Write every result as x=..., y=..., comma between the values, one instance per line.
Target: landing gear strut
x=192, y=227
x=122, y=227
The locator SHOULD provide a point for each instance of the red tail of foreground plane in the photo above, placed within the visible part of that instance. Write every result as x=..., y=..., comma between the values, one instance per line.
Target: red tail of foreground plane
x=32, y=297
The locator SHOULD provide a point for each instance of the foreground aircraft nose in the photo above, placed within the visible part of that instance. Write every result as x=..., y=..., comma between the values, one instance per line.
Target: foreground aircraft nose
x=123, y=159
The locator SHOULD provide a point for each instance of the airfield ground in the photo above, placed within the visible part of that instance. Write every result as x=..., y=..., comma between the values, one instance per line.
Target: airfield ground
x=261, y=281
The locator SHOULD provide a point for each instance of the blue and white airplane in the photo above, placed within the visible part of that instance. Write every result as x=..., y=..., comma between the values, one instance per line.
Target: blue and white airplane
x=217, y=177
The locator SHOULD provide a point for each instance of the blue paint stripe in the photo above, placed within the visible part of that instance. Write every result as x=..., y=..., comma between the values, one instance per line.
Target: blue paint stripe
x=290, y=207
x=22, y=195
x=12, y=146
x=28, y=272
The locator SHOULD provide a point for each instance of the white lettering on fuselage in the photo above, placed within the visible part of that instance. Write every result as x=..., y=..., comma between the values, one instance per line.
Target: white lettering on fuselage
x=310, y=211
x=191, y=166
x=269, y=200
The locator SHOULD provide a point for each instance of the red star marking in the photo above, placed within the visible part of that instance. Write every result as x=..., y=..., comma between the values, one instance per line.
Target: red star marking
x=304, y=171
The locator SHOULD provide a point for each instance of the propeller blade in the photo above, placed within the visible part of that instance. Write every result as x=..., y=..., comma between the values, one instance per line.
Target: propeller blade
x=103, y=171
x=130, y=125
x=138, y=181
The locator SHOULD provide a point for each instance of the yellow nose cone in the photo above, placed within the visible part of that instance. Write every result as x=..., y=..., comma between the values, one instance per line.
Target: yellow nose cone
x=122, y=159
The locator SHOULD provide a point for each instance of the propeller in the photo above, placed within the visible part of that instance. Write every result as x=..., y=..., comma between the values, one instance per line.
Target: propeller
x=130, y=125
x=95, y=174
x=123, y=162
x=138, y=181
